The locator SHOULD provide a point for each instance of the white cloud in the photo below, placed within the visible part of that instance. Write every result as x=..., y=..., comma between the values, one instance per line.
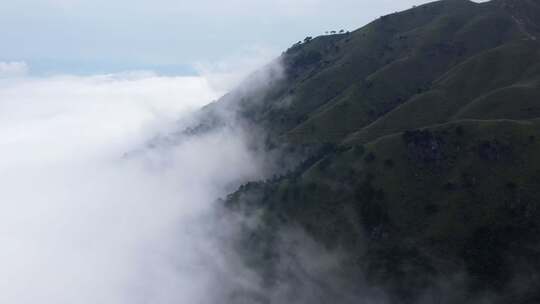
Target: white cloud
x=81, y=224
x=13, y=69
x=225, y=75
x=73, y=114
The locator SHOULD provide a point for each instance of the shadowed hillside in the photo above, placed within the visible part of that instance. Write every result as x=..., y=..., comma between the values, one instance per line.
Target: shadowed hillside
x=424, y=158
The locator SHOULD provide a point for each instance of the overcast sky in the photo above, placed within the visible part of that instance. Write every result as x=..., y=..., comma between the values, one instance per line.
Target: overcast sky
x=170, y=36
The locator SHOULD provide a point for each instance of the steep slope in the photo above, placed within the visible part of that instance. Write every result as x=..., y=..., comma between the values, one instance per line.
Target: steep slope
x=335, y=85
x=498, y=83
x=417, y=210
x=419, y=135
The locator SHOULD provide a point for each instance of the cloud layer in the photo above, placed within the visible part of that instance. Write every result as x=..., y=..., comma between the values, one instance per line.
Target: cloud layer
x=13, y=69
x=80, y=223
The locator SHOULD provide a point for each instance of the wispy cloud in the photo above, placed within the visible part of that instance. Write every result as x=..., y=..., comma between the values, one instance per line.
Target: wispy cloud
x=13, y=69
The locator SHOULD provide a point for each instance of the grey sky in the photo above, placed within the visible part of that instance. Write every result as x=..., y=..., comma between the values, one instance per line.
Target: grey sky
x=89, y=36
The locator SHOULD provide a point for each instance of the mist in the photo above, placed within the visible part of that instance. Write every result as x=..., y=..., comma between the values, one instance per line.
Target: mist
x=82, y=223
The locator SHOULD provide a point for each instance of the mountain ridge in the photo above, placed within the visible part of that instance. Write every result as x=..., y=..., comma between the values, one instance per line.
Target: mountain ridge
x=326, y=74
x=416, y=151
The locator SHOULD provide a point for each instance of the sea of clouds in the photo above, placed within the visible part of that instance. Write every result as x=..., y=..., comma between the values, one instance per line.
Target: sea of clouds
x=80, y=222
x=105, y=200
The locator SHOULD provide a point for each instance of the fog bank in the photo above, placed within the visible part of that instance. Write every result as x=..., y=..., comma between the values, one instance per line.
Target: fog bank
x=80, y=223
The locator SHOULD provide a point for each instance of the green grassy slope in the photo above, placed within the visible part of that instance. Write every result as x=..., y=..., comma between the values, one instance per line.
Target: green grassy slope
x=414, y=59
x=336, y=85
x=493, y=81
x=428, y=167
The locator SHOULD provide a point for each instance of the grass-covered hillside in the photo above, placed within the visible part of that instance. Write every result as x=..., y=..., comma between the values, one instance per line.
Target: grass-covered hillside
x=427, y=171
x=337, y=85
